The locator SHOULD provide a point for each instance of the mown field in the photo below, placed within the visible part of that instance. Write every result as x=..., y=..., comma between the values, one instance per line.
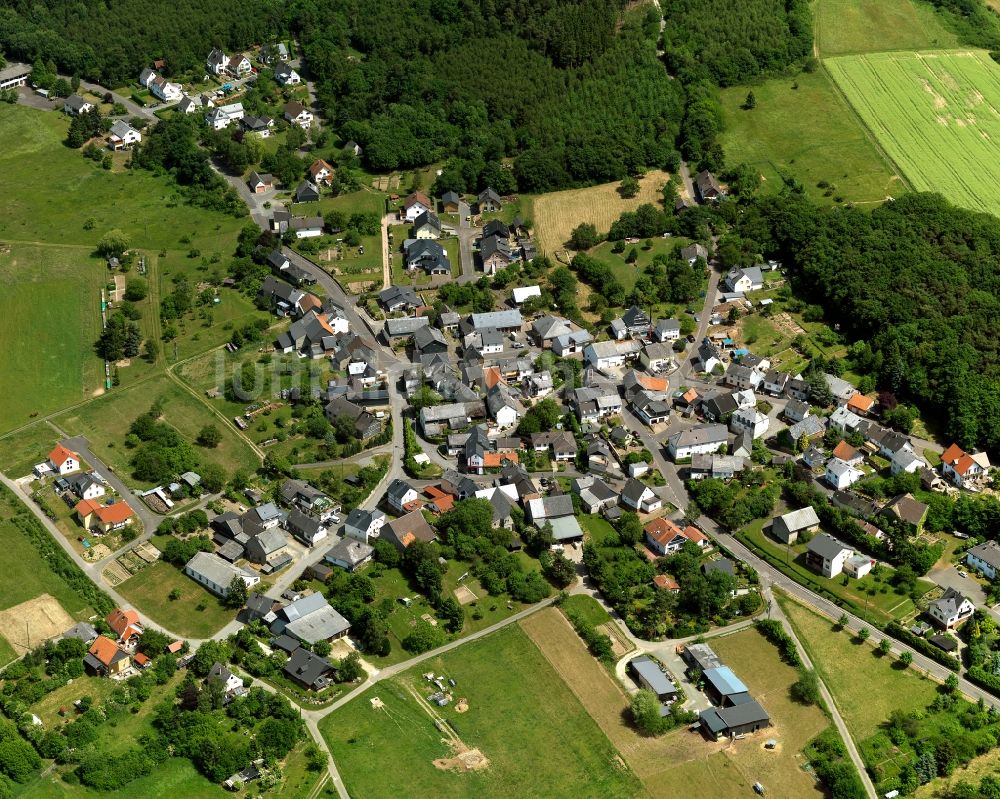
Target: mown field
x=936, y=115
x=867, y=26
x=50, y=316
x=803, y=128
x=537, y=737
x=557, y=213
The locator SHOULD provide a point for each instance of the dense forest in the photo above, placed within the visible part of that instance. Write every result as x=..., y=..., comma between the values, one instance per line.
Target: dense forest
x=733, y=41
x=917, y=283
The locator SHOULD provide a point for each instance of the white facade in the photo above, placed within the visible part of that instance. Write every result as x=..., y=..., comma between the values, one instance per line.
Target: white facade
x=751, y=420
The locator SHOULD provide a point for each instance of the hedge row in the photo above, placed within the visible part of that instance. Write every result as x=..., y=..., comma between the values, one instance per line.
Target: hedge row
x=984, y=679
x=775, y=633
x=922, y=645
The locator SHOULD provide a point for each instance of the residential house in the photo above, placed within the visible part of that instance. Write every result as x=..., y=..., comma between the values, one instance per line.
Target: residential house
x=216, y=574
x=364, y=525
x=810, y=428
x=286, y=76
x=306, y=227
x=366, y=425
x=408, y=528
x=634, y=322
x=105, y=518
x=700, y=440
x=595, y=494
x=651, y=407
x=437, y=419
x=639, y=497
x=428, y=256
x=122, y=136
x=309, y=670
x=503, y=407
x=950, y=609
x=592, y=403
x=230, y=684
x=657, y=356
x=743, y=377
x=750, y=420
x=693, y=252
x=307, y=192
x=798, y=389
x=745, y=278
x=239, y=66
x=414, y=205
x=719, y=407
x=960, y=467
x=489, y=201
x=216, y=62
x=708, y=188
x=841, y=389
x=848, y=454
x=86, y=485
x=350, y=554
x=401, y=496
x=860, y=404
x=796, y=410
x=906, y=460
x=843, y=420
x=399, y=298
x=307, y=529
x=665, y=537
x=827, y=555
x=105, y=658
x=788, y=527
x=908, y=509
x=840, y=474
x=853, y=504
x=494, y=253
x=301, y=494
x=62, y=460
x=427, y=226
x=604, y=355
x=985, y=558
x=547, y=328
x=268, y=548
x=450, y=202
x=223, y=116
x=321, y=172
x=297, y=114
x=75, y=105
x=857, y=566
x=126, y=625
x=775, y=382
x=709, y=356
x=504, y=321
x=667, y=330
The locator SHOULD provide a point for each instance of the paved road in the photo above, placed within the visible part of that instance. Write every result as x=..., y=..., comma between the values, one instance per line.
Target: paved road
x=467, y=235
x=253, y=202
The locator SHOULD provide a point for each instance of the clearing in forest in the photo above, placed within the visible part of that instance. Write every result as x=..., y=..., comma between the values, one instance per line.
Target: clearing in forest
x=936, y=115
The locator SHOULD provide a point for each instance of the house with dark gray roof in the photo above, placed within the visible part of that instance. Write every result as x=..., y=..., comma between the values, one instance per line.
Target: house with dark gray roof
x=349, y=554
x=309, y=670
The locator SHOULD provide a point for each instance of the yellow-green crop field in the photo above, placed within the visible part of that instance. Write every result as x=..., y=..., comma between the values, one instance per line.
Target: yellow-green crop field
x=935, y=114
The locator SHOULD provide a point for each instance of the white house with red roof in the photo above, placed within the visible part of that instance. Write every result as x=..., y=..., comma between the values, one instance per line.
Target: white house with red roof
x=62, y=460
x=126, y=625
x=960, y=467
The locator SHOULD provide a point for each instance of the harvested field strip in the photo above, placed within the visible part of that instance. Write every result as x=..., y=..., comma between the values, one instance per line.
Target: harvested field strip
x=936, y=115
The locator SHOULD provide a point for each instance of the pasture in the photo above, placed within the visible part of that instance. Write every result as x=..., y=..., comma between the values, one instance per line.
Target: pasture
x=557, y=213
x=803, y=128
x=195, y=613
x=683, y=762
x=50, y=317
x=936, y=115
x=866, y=26
x=537, y=738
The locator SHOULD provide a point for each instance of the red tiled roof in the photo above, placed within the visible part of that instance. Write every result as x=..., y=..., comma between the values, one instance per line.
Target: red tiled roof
x=176, y=646
x=140, y=659
x=845, y=452
x=663, y=531
x=666, y=583
x=859, y=401
x=693, y=534
x=495, y=459
x=104, y=649
x=444, y=503
x=435, y=493
x=952, y=454
x=60, y=454
x=417, y=197
x=653, y=383
x=85, y=507
x=114, y=514
x=963, y=464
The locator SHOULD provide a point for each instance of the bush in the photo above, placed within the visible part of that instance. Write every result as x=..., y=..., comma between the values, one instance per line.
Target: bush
x=923, y=646
x=775, y=633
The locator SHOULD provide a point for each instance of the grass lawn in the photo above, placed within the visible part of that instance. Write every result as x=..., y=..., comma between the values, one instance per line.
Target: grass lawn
x=935, y=116
x=105, y=422
x=588, y=607
x=865, y=26
x=148, y=208
x=519, y=709
x=50, y=317
x=596, y=526
x=866, y=688
x=809, y=133
x=149, y=590
x=557, y=213
x=19, y=452
x=882, y=606
x=627, y=273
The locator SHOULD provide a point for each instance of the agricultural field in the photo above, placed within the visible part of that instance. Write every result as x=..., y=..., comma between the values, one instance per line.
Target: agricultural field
x=557, y=213
x=106, y=421
x=936, y=115
x=50, y=317
x=20, y=451
x=865, y=26
x=681, y=762
x=802, y=127
x=196, y=612
x=517, y=708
